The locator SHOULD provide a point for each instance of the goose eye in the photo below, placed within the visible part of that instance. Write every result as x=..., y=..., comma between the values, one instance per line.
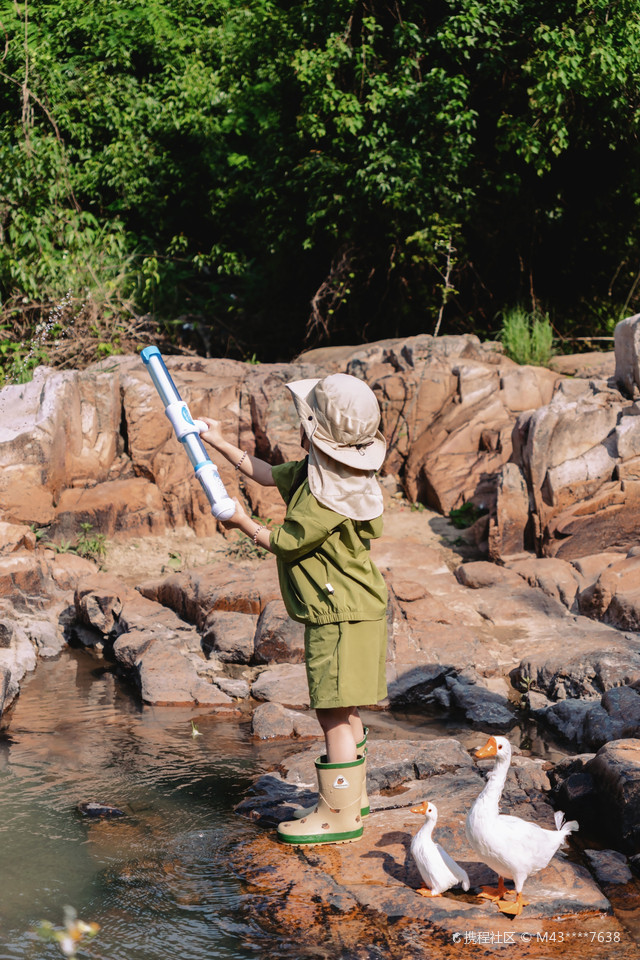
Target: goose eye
x=499, y=746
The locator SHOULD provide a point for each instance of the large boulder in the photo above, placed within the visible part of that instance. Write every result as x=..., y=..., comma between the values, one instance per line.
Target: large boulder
x=88, y=443
x=615, y=770
x=574, y=475
x=627, y=345
x=448, y=409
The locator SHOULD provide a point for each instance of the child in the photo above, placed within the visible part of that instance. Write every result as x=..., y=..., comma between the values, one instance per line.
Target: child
x=328, y=581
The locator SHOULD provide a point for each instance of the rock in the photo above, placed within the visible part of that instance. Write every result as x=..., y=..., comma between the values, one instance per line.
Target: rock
x=134, y=506
x=585, y=365
x=609, y=866
x=226, y=587
x=605, y=522
x=273, y=721
x=231, y=636
x=589, y=659
x=270, y=721
x=557, y=578
x=567, y=719
x=576, y=454
x=98, y=603
x=283, y=683
x=130, y=647
x=238, y=689
x=36, y=445
x=573, y=791
x=483, y=708
x=16, y=536
x=482, y=573
x=627, y=352
x=7, y=689
x=615, y=596
x=590, y=567
x=616, y=717
x=17, y=657
x=510, y=533
x=46, y=636
x=376, y=879
x=166, y=676
x=278, y=638
x=552, y=458
x=95, y=810
x=32, y=581
x=615, y=770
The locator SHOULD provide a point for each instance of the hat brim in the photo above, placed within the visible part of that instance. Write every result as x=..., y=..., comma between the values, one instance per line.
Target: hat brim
x=369, y=457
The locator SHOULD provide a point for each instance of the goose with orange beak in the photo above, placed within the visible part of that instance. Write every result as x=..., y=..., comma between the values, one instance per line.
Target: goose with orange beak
x=512, y=847
x=438, y=870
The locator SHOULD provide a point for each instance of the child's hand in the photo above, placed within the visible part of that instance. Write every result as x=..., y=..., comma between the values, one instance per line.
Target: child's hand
x=240, y=518
x=213, y=435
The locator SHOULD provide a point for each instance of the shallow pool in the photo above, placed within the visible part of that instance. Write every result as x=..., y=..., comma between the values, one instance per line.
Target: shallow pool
x=157, y=881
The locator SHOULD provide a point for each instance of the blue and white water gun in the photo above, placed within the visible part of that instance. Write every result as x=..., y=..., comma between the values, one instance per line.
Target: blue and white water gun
x=188, y=431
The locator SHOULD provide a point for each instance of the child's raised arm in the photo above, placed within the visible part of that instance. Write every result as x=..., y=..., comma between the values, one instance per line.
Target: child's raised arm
x=251, y=467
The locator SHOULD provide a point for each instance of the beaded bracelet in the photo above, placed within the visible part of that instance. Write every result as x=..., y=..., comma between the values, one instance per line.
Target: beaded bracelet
x=257, y=531
x=240, y=460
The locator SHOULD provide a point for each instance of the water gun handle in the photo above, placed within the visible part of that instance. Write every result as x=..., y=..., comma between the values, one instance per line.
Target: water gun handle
x=187, y=430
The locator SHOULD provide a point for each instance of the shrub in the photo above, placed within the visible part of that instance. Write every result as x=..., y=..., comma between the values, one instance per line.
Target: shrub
x=527, y=336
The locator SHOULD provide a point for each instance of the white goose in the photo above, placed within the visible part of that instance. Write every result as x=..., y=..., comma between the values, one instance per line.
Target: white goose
x=438, y=870
x=512, y=847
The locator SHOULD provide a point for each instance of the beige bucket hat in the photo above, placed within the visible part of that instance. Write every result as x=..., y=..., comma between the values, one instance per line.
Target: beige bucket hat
x=341, y=417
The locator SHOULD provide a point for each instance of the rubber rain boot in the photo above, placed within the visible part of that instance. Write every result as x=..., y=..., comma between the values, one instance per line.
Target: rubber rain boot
x=336, y=818
x=362, y=750
x=365, y=809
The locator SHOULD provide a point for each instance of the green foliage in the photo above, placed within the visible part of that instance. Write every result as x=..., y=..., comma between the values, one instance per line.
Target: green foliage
x=87, y=544
x=466, y=515
x=527, y=336
x=17, y=360
x=91, y=545
x=251, y=176
x=175, y=561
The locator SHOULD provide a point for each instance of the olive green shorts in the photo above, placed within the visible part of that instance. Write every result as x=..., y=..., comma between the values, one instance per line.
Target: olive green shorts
x=346, y=663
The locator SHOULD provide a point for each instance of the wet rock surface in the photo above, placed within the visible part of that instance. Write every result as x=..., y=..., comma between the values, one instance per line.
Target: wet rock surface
x=377, y=878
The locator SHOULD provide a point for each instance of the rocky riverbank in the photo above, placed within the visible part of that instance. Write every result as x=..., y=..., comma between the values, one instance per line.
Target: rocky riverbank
x=510, y=623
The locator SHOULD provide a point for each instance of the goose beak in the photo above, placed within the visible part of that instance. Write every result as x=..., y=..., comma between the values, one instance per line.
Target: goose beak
x=490, y=749
x=421, y=809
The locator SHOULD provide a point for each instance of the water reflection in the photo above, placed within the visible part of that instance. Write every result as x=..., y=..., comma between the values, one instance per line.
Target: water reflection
x=156, y=881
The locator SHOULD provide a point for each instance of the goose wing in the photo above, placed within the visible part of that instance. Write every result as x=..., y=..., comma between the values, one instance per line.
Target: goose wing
x=456, y=869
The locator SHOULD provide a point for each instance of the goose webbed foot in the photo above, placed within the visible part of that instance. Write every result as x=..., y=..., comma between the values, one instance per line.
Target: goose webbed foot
x=512, y=907
x=494, y=893
x=425, y=892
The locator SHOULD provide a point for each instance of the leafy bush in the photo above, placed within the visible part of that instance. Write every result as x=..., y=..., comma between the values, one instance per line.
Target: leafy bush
x=466, y=515
x=262, y=175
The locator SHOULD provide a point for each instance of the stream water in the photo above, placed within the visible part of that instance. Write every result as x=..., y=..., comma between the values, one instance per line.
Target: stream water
x=157, y=882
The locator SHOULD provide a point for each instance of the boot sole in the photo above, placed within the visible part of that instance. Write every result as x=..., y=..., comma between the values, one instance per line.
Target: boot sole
x=316, y=841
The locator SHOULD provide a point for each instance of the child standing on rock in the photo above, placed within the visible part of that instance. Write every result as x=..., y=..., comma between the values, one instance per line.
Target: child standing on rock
x=329, y=582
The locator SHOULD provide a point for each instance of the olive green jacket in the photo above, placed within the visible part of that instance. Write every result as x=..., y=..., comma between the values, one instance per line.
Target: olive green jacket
x=325, y=571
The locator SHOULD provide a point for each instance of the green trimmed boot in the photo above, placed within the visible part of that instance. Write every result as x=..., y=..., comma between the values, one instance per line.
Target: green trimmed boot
x=365, y=809
x=336, y=818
